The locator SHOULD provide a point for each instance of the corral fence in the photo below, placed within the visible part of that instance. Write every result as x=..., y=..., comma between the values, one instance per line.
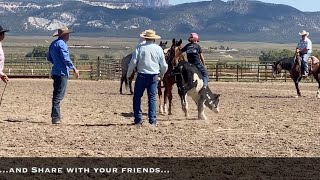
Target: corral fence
x=110, y=69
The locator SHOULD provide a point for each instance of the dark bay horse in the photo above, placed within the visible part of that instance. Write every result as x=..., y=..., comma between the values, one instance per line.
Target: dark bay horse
x=168, y=81
x=124, y=68
x=293, y=65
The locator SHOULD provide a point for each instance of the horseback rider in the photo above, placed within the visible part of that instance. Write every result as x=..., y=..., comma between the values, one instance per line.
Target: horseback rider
x=304, y=47
x=195, y=56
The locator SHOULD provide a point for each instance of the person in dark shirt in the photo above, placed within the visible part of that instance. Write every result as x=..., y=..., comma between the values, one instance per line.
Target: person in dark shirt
x=195, y=56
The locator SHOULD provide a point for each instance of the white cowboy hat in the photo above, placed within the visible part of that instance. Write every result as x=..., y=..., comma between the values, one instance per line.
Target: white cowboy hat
x=62, y=31
x=304, y=32
x=149, y=34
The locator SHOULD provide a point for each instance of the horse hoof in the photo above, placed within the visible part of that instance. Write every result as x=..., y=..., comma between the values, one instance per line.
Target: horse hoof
x=297, y=96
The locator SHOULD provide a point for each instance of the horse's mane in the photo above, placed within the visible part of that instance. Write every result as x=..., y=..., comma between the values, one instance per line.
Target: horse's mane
x=286, y=63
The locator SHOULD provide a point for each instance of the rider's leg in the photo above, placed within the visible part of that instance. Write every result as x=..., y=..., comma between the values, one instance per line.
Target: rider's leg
x=204, y=73
x=304, y=62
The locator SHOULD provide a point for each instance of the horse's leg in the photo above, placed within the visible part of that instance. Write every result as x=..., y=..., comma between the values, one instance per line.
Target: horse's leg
x=160, y=98
x=165, y=98
x=296, y=83
x=317, y=77
x=184, y=104
x=201, y=115
x=121, y=82
x=130, y=83
x=170, y=99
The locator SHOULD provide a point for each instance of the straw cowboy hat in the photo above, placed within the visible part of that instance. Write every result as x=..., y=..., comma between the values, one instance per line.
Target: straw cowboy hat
x=3, y=30
x=304, y=32
x=149, y=34
x=62, y=31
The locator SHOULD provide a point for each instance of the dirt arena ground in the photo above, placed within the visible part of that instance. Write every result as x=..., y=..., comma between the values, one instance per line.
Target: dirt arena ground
x=256, y=119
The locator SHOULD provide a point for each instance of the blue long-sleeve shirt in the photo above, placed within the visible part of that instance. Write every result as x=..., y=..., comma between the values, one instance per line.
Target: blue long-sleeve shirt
x=59, y=56
x=149, y=59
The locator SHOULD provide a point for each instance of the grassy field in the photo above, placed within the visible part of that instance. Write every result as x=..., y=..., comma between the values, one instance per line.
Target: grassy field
x=119, y=47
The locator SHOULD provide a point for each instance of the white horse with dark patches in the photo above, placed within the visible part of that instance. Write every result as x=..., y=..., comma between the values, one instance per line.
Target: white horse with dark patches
x=190, y=82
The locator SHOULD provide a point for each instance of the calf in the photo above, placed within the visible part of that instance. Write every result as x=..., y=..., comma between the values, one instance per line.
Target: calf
x=190, y=82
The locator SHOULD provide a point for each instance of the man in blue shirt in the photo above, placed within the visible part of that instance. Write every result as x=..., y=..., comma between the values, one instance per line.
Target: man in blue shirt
x=304, y=47
x=59, y=56
x=150, y=62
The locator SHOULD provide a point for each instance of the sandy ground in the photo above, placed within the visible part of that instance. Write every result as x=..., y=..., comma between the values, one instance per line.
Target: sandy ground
x=256, y=119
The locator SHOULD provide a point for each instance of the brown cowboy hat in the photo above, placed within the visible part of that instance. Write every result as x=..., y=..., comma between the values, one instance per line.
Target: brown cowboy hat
x=3, y=30
x=62, y=31
x=149, y=34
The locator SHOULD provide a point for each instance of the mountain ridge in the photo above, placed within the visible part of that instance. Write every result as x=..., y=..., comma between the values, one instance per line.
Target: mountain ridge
x=239, y=20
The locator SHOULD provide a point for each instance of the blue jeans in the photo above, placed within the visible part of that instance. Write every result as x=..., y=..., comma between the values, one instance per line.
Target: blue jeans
x=59, y=89
x=149, y=82
x=304, y=62
x=204, y=73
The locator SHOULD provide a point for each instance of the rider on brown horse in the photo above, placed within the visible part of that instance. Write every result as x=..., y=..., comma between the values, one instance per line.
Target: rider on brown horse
x=304, y=47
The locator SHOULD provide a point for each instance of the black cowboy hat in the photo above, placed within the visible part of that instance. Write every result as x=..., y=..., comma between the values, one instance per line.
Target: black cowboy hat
x=3, y=30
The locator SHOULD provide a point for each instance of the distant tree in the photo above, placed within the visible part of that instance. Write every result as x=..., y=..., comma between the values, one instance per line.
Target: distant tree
x=108, y=56
x=227, y=48
x=222, y=47
x=84, y=56
x=270, y=56
x=38, y=51
x=316, y=53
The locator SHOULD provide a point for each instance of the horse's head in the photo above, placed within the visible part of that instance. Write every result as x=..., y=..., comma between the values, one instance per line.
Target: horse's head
x=175, y=53
x=213, y=102
x=163, y=45
x=276, y=68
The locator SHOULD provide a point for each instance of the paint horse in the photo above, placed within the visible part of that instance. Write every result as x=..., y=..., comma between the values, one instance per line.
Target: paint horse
x=293, y=65
x=124, y=68
x=168, y=81
x=190, y=82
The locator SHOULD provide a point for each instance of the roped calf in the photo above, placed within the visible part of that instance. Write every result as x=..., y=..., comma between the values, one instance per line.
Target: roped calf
x=190, y=82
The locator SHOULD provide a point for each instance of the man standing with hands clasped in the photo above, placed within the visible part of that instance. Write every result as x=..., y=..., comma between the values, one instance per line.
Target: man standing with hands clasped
x=59, y=56
x=3, y=76
x=151, y=64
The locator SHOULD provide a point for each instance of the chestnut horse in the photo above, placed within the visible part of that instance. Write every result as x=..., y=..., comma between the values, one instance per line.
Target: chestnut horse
x=293, y=65
x=168, y=81
x=124, y=68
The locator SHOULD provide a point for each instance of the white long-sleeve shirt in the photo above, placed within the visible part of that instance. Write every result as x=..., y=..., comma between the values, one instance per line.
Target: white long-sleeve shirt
x=1, y=60
x=305, y=44
x=149, y=59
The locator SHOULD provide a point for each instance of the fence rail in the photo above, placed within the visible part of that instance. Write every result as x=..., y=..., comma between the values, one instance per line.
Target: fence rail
x=110, y=68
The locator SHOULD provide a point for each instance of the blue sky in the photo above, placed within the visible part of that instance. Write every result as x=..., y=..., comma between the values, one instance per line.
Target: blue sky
x=303, y=5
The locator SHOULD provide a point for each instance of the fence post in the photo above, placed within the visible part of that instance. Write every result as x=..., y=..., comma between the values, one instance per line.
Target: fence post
x=98, y=69
x=237, y=72
x=217, y=72
x=258, y=78
x=91, y=70
x=265, y=72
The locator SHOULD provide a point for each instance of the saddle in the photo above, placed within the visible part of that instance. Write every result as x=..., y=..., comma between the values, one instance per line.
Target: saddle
x=312, y=61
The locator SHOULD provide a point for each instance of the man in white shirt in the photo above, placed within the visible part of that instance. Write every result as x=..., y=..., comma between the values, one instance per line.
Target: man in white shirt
x=150, y=62
x=304, y=47
x=3, y=76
